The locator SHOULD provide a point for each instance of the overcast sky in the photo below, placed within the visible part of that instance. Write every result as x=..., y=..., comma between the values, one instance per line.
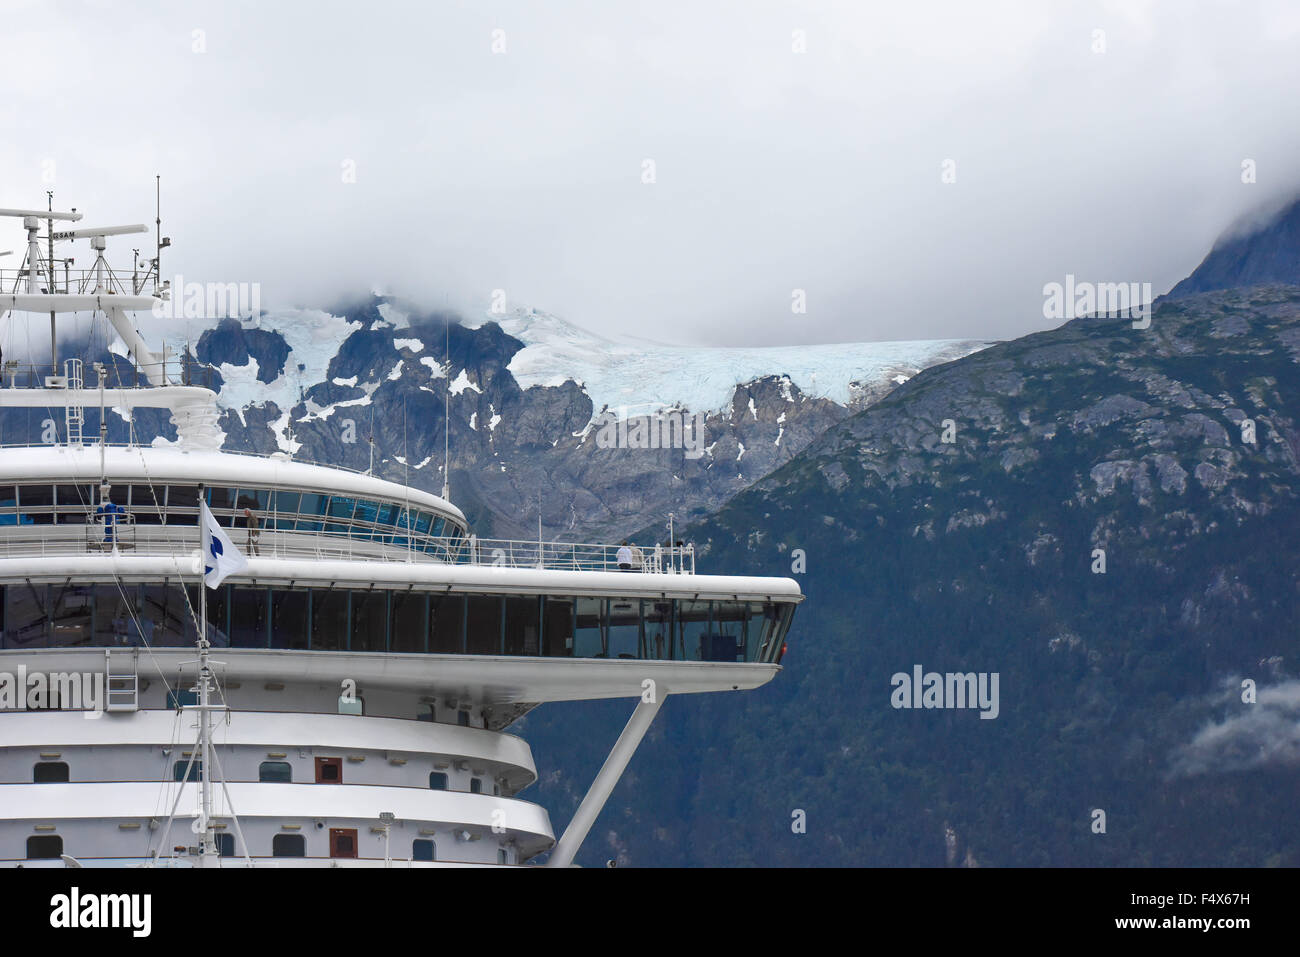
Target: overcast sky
x=774, y=170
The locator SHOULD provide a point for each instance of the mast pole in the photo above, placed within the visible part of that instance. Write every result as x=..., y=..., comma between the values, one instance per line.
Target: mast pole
x=49, y=232
x=208, y=850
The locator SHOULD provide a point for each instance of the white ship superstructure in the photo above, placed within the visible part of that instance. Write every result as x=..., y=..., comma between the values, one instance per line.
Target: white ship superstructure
x=365, y=664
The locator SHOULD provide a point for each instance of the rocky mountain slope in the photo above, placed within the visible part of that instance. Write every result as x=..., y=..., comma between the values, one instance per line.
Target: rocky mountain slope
x=1105, y=517
x=1268, y=253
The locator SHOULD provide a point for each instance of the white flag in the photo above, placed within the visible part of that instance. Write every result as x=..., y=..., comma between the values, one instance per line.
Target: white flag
x=220, y=556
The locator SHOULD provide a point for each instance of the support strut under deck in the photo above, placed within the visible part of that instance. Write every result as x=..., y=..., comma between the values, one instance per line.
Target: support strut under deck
x=601, y=788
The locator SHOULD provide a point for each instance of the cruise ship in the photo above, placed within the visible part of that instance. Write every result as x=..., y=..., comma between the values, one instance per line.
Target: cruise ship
x=345, y=697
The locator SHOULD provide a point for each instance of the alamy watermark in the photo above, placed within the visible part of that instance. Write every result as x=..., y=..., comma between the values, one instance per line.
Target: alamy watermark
x=1111, y=300
x=208, y=300
x=669, y=429
x=52, y=690
x=930, y=689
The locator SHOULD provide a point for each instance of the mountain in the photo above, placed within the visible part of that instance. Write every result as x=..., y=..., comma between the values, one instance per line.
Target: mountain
x=542, y=414
x=1175, y=452
x=1267, y=253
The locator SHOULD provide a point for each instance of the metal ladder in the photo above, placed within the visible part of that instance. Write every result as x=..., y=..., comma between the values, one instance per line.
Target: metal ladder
x=76, y=415
x=123, y=687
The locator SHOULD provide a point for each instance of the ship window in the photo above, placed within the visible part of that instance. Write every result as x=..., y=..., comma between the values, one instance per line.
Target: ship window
x=79, y=496
x=385, y=514
x=341, y=507
x=33, y=496
x=438, y=779
x=483, y=629
x=221, y=497
x=285, y=505
x=423, y=849
x=311, y=504
x=447, y=624
x=50, y=772
x=589, y=635
x=289, y=618
x=343, y=842
x=181, y=699
x=462, y=718
x=277, y=772
x=409, y=627
x=439, y=524
x=422, y=520
x=288, y=845
x=249, y=614
x=521, y=625
x=502, y=856
x=329, y=620
x=252, y=498
x=475, y=786
x=225, y=844
x=178, y=770
x=692, y=630
x=42, y=847
x=625, y=639
x=557, y=627
x=658, y=628
x=182, y=496
x=370, y=620
x=329, y=770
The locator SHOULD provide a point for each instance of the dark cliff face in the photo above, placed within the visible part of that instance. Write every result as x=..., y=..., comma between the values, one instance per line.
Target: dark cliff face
x=1111, y=528
x=1266, y=254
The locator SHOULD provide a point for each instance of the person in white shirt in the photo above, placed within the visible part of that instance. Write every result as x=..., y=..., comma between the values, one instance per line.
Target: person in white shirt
x=624, y=558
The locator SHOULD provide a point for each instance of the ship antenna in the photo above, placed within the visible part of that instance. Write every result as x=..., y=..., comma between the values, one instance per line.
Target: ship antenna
x=49, y=232
x=157, y=236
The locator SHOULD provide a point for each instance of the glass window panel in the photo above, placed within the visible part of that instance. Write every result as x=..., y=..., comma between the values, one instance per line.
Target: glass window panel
x=409, y=624
x=72, y=607
x=8, y=505
x=145, y=509
x=369, y=620
x=446, y=624
x=219, y=497
x=113, y=624
x=252, y=498
x=183, y=496
x=422, y=849
x=35, y=496
x=329, y=620
x=658, y=628
x=249, y=615
x=166, y=617
x=340, y=507
x=288, y=845
x=366, y=511
x=692, y=630
x=521, y=625
x=727, y=632
x=311, y=505
x=483, y=626
x=422, y=520
x=439, y=524
x=289, y=618
x=26, y=621
x=279, y=772
x=589, y=636
x=438, y=780
x=78, y=496
x=625, y=628
x=557, y=627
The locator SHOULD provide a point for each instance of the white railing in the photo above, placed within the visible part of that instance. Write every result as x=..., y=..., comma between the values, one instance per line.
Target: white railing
x=180, y=542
